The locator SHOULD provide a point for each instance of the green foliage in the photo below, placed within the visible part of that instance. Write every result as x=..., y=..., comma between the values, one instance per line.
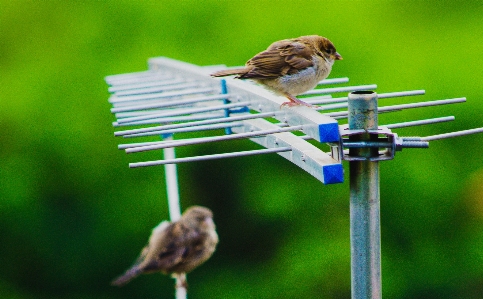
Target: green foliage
x=73, y=216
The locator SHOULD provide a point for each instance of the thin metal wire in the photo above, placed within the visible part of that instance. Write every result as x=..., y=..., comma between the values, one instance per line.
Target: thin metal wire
x=452, y=134
x=166, y=120
x=178, y=112
x=155, y=96
x=171, y=103
x=196, y=123
x=420, y=122
x=157, y=89
x=341, y=89
x=123, y=87
x=343, y=114
x=380, y=96
x=189, y=129
x=211, y=157
x=139, y=79
x=141, y=74
x=162, y=144
x=334, y=81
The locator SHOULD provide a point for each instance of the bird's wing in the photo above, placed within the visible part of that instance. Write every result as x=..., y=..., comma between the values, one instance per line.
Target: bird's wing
x=281, y=58
x=156, y=234
x=175, y=246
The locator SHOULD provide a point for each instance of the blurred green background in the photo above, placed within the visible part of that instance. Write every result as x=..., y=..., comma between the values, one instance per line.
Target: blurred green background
x=73, y=215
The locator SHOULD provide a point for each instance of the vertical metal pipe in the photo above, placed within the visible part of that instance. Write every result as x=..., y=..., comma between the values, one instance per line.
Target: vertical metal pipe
x=364, y=200
x=172, y=189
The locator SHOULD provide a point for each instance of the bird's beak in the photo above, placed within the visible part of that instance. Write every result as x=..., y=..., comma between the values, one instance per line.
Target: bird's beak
x=337, y=56
x=209, y=221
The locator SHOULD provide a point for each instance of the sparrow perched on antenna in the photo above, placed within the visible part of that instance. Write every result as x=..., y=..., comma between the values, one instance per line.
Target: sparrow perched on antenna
x=176, y=248
x=290, y=67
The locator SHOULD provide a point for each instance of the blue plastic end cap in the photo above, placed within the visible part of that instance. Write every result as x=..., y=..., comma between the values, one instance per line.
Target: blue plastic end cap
x=329, y=132
x=333, y=174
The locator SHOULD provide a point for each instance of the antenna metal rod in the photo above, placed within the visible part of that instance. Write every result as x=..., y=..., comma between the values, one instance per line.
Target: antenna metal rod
x=154, y=96
x=334, y=81
x=139, y=79
x=163, y=144
x=340, y=89
x=157, y=89
x=141, y=74
x=420, y=122
x=409, y=124
x=178, y=112
x=195, y=123
x=421, y=104
x=364, y=200
x=171, y=103
x=318, y=100
x=189, y=129
x=211, y=157
x=165, y=120
x=452, y=134
x=344, y=114
x=123, y=87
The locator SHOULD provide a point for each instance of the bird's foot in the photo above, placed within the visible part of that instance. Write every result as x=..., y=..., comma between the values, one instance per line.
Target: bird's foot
x=294, y=102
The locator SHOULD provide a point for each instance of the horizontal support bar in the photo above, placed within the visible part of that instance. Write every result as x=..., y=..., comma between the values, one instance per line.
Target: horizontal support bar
x=156, y=77
x=421, y=104
x=384, y=144
x=165, y=144
x=210, y=157
x=163, y=82
x=334, y=81
x=419, y=122
x=158, y=89
x=379, y=96
x=168, y=120
x=340, y=89
x=189, y=129
x=343, y=114
x=452, y=134
x=195, y=123
x=124, y=76
x=162, y=95
x=178, y=112
x=171, y=103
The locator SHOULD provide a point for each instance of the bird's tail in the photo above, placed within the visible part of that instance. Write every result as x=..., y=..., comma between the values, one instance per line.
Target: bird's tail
x=239, y=71
x=126, y=277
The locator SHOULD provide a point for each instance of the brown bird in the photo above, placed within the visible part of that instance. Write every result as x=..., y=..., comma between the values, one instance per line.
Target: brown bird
x=176, y=248
x=290, y=67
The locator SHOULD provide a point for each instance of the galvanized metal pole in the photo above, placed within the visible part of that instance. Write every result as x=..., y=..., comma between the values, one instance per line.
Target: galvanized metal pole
x=364, y=200
x=172, y=189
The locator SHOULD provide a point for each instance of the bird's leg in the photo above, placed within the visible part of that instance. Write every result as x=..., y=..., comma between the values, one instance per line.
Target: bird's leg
x=180, y=280
x=294, y=101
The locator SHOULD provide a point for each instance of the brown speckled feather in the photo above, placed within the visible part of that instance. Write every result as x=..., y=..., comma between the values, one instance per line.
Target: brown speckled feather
x=282, y=57
x=290, y=67
x=176, y=248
